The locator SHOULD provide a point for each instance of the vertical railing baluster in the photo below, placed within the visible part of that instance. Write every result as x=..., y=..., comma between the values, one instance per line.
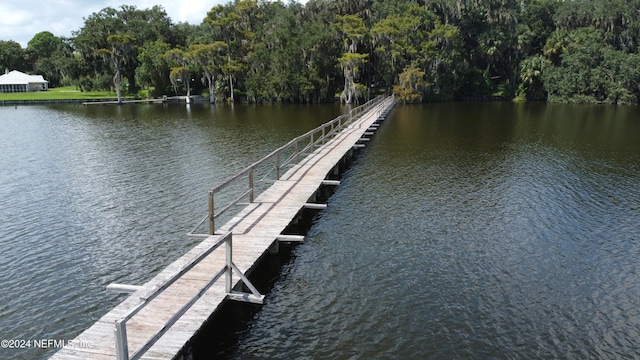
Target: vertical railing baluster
x=251, y=193
x=278, y=165
x=122, y=349
x=211, y=214
x=228, y=274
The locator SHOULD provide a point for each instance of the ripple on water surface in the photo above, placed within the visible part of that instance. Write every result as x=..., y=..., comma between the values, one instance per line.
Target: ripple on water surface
x=94, y=195
x=515, y=247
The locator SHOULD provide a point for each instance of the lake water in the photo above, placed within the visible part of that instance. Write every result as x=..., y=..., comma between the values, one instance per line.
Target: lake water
x=480, y=230
x=102, y=194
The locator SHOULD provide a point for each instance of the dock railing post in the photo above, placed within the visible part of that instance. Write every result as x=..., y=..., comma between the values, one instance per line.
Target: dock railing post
x=122, y=349
x=228, y=274
x=251, y=194
x=278, y=165
x=211, y=214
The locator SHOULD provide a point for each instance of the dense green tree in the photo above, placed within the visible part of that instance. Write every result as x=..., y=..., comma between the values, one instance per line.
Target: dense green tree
x=235, y=23
x=180, y=74
x=209, y=59
x=146, y=25
x=50, y=56
x=41, y=46
x=531, y=85
x=153, y=69
x=538, y=15
x=592, y=70
x=353, y=32
x=11, y=56
x=410, y=88
x=276, y=70
x=399, y=38
x=444, y=62
x=321, y=47
x=275, y=51
x=120, y=47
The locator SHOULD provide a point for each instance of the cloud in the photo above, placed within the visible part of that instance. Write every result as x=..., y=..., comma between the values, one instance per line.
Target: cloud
x=20, y=20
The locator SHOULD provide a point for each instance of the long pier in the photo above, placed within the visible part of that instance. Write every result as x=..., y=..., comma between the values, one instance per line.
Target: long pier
x=253, y=208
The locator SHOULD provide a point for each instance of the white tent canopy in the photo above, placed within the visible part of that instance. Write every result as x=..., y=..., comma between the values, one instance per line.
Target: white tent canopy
x=16, y=81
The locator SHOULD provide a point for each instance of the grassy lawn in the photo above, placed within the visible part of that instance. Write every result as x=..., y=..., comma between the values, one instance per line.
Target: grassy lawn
x=65, y=92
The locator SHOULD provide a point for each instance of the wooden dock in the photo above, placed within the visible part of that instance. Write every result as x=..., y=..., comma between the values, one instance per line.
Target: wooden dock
x=162, y=100
x=161, y=316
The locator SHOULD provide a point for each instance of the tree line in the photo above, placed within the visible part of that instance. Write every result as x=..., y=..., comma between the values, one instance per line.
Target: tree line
x=422, y=50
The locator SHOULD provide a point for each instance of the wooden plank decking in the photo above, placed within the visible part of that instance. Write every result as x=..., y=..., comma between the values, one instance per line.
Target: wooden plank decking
x=254, y=230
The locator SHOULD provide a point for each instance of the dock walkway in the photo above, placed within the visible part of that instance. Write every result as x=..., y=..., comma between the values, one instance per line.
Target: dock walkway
x=161, y=316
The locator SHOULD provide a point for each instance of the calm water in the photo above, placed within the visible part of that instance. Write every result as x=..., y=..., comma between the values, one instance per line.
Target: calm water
x=463, y=230
x=95, y=195
x=475, y=231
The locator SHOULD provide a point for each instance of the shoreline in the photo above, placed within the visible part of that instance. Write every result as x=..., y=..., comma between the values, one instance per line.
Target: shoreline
x=98, y=101
x=52, y=101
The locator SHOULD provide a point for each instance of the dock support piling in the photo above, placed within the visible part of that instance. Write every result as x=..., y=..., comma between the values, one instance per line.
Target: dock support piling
x=275, y=247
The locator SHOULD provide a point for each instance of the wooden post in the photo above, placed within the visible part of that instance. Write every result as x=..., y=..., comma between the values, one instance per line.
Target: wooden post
x=278, y=165
x=211, y=214
x=122, y=349
x=227, y=279
x=275, y=247
x=251, y=194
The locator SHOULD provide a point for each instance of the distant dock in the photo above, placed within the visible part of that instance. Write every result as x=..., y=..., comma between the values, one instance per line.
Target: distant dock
x=163, y=100
x=160, y=317
x=103, y=101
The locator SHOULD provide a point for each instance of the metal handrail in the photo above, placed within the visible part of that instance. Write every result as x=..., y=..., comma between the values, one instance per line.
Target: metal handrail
x=300, y=144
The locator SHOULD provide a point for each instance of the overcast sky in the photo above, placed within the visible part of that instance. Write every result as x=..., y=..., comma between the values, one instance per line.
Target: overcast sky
x=20, y=20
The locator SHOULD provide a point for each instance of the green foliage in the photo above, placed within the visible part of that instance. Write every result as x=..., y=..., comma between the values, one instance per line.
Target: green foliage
x=538, y=16
x=531, y=85
x=153, y=71
x=573, y=51
x=209, y=59
x=353, y=30
x=411, y=85
x=591, y=70
x=142, y=26
x=47, y=55
x=400, y=38
x=11, y=56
